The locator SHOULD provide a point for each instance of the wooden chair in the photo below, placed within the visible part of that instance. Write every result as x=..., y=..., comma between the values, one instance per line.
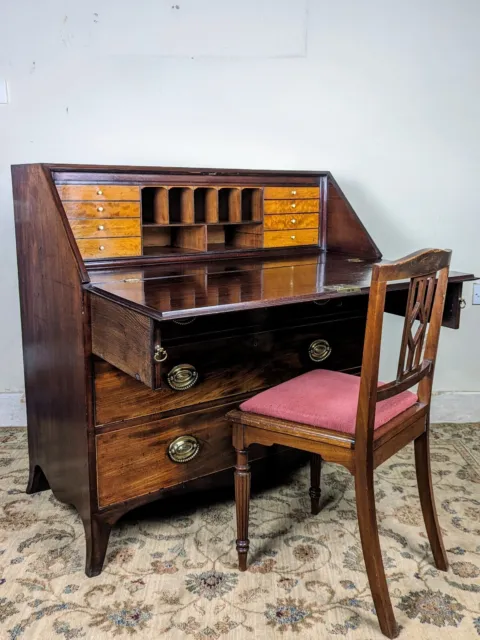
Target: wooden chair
x=357, y=423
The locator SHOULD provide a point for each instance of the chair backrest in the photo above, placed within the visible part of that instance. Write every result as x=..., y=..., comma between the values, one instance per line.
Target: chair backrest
x=427, y=271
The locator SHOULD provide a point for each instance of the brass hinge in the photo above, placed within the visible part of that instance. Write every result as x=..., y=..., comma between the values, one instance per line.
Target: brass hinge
x=342, y=288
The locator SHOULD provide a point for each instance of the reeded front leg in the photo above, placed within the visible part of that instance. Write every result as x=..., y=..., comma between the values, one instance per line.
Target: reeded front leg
x=315, y=476
x=242, y=503
x=427, y=501
x=367, y=524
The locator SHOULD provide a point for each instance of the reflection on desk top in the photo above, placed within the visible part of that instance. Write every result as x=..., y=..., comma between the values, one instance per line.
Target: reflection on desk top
x=179, y=290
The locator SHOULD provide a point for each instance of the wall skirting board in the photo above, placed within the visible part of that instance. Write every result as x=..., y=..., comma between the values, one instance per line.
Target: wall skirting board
x=447, y=406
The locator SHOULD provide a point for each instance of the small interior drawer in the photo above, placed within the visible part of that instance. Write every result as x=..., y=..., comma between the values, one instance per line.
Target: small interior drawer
x=292, y=206
x=98, y=192
x=106, y=228
x=273, y=193
x=126, y=339
x=291, y=221
x=290, y=238
x=110, y=247
x=120, y=209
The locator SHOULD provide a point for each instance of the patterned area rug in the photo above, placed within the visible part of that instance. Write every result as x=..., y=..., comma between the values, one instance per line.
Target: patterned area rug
x=174, y=574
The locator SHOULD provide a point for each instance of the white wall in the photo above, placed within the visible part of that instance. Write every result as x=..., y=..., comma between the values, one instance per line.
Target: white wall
x=383, y=93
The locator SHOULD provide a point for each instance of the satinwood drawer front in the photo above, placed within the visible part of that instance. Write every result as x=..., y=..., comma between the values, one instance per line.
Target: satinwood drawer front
x=223, y=368
x=102, y=209
x=136, y=461
x=105, y=228
x=98, y=192
x=290, y=238
x=110, y=247
x=291, y=206
x=273, y=193
x=291, y=221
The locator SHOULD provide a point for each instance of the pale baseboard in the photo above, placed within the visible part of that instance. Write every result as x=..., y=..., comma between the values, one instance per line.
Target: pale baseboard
x=13, y=410
x=454, y=406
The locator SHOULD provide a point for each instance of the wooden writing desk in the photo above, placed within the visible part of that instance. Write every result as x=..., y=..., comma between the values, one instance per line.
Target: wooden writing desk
x=154, y=300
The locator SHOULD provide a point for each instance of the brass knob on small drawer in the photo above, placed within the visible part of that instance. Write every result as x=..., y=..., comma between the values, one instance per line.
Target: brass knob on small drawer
x=100, y=209
x=294, y=193
x=293, y=221
x=182, y=377
x=160, y=354
x=99, y=192
x=319, y=350
x=293, y=237
x=101, y=247
x=100, y=227
x=293, y=205
x=183, y=449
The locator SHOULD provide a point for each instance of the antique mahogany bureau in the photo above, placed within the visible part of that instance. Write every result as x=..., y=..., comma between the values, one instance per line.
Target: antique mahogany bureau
x=154, y=300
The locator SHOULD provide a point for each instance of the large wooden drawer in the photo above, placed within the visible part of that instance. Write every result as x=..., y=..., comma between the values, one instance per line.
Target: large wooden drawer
x=291, y=221
x=98, y=192
x=274, y=193
x=110, y=247
x=102, y=209
x=106, y=228
x=136, y=461
x=290, y=238
x=222, y=368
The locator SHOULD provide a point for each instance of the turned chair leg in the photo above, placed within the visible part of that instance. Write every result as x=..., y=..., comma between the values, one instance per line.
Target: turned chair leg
x=315, y=475
x=97, y=533
x=242, y=503
x=367, y=523
x=427, y=501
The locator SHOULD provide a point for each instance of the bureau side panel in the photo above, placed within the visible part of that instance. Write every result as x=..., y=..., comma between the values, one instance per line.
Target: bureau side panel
x=55, y=341
x=345, y=232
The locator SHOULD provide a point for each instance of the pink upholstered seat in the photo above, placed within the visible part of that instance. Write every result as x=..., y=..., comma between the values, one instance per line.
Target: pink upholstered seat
x=326, y=399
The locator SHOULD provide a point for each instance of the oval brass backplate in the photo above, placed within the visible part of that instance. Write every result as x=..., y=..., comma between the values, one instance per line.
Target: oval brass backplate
x=319, y=350
x=183, y=449
x=182, y=377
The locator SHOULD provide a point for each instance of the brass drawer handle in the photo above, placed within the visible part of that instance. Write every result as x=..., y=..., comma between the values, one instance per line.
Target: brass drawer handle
x=99, y=192
x=160, y=354
x=294, y=193
x=183, y=449
x=319, y=350
x=293, y=221
x=100, y=227
x=293, y=237
x=100, y=209
x=293, y=205
x=182, y=377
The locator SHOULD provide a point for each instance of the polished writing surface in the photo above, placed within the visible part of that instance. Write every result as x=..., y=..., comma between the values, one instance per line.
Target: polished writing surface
x=186, y=289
